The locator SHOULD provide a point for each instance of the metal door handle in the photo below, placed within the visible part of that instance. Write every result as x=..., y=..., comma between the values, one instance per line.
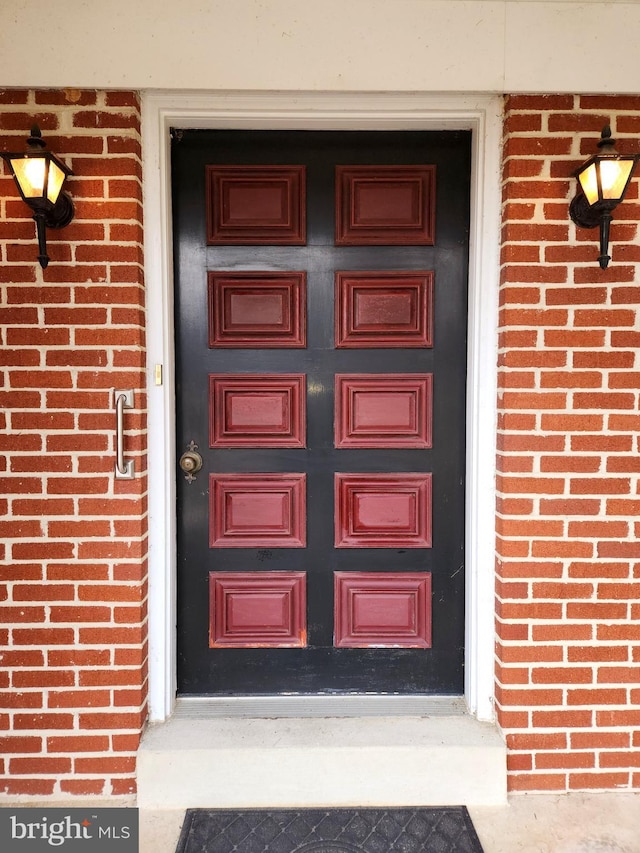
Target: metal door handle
x=124, y=469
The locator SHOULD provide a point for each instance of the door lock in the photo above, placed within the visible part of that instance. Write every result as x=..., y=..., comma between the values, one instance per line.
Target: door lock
x=190, y=462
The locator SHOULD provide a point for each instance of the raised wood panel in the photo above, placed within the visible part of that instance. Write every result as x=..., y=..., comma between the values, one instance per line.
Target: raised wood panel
x=385, y=205
x=256, y=609
x=384, y=309
x=386, y=410
x=256, y=205
x=257, y=410
x=257, y=510
x=382, y=610
x=257, y=310
x=383, y=510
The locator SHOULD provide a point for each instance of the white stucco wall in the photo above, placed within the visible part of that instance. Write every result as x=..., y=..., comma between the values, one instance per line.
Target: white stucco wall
x=315, y=45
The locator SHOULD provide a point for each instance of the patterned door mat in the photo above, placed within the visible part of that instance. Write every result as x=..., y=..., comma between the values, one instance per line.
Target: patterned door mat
x=405, y=830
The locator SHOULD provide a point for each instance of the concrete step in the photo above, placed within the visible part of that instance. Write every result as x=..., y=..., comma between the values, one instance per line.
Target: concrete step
x=195, y=761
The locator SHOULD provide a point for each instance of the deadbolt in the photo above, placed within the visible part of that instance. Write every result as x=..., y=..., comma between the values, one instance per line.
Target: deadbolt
x=191, y=462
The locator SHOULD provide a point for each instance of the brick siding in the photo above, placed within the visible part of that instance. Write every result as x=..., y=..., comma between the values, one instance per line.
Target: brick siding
x=73, y=540
x=568, y=568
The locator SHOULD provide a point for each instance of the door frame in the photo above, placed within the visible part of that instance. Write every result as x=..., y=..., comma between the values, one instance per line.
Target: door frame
x=482, y=114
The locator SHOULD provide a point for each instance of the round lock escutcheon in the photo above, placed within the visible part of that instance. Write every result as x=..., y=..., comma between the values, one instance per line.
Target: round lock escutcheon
x=190, y=461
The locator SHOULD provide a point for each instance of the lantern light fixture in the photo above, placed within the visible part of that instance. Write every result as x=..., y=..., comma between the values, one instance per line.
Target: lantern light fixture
x=40, y=176
x=603, y=180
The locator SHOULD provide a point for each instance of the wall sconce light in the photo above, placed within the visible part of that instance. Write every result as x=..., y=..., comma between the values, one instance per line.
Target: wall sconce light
x=603, y=180
x=40, y=176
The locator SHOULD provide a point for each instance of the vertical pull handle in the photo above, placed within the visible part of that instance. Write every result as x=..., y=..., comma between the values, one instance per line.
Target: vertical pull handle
x=122, y=400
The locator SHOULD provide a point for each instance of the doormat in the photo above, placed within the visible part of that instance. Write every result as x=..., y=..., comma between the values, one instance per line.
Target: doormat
x=405, y=830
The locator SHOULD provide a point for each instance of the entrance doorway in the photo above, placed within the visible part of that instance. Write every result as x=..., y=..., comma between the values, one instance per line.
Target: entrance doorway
x=321, y=286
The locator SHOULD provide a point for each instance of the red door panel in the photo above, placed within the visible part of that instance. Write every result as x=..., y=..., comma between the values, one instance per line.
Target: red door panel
x=383, y=609
x=257, y=309
x=383, y=410
x=385, y=205
x=255, y=205
x=256, y=510
x=383, y=511
x=251, y=610
x=390, y=309
x=257, y=411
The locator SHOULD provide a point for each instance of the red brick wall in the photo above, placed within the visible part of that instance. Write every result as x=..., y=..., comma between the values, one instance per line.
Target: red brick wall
x=73, y=540
x=568, y=594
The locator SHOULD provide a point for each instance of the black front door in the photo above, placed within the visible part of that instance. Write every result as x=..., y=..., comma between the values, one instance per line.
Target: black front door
x=321, y=292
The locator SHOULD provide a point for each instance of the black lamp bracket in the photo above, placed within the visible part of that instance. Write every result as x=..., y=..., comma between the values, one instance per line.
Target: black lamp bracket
x=591, y=216
x=582, y=213
x=61, y=213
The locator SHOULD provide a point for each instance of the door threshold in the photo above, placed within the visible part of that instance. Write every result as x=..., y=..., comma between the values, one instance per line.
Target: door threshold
x=355, y=705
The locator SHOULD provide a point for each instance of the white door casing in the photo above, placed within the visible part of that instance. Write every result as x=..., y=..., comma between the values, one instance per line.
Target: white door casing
x=481, y=114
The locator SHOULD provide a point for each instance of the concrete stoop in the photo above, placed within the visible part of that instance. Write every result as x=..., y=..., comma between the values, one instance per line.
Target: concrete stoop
x=242, y=762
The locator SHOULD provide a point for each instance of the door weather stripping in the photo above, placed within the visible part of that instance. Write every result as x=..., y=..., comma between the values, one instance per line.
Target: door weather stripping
x=209, y=707
x=124, y=470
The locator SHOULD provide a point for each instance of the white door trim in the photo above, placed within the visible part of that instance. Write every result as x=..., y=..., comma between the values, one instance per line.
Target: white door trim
x=325, y=111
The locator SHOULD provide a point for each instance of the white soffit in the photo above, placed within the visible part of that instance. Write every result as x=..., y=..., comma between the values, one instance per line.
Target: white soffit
x=491, y=46
x=572, y=46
